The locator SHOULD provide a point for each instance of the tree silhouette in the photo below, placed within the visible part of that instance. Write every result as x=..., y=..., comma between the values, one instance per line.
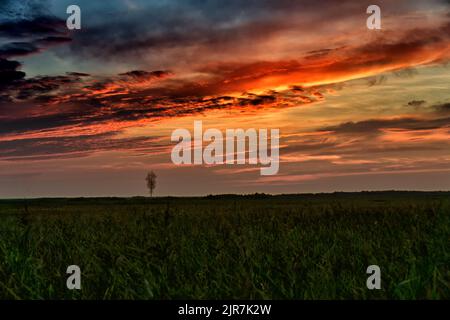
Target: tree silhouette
x=151, y=182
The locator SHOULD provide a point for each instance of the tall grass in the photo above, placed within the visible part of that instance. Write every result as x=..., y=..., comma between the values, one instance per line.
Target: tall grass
x=285, y=247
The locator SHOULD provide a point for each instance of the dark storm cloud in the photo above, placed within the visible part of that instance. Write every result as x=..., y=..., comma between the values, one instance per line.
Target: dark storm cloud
x=9, y=72
x=26, y=31
x=190, y=25
x=7, y=77
x=16, y=49
x=25, y=48
x=35, y=36
x=6, y=65
x=128, y=39
x=183, y=24
x=36, y=27
x=26, y=28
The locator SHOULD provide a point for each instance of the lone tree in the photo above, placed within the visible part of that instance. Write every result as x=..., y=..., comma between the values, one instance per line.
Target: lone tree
x=151, y=182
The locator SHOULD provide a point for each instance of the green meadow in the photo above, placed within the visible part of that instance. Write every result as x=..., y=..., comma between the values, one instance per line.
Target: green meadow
x=228, y=247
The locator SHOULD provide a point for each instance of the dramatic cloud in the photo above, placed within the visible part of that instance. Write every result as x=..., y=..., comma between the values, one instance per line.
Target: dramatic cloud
x=124, y=100
x=9, y=72
x=25, y=30
x=35, y=27
x=195, y=28
x=137, y=66
x=35, y=35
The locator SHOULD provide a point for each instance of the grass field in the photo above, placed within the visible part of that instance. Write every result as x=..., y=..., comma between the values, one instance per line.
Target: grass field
x=244, y=247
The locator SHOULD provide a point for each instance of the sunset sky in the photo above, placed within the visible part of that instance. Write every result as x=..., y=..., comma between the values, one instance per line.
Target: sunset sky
x=88, y=112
